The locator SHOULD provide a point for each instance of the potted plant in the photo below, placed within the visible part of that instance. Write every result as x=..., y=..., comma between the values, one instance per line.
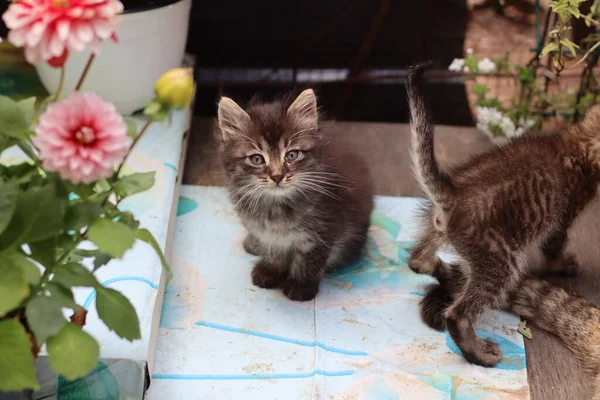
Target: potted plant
x=537, y=99
x=66, y=195
x=152, y=38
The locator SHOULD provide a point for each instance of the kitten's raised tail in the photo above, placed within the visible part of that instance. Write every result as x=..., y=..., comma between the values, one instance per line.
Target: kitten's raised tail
x=436, y=184
x=575, y=321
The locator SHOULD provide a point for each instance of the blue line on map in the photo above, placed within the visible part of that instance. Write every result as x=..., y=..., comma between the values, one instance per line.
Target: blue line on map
x=92, y=295
x=281, y=339
x=169, y=165
x=191, y=377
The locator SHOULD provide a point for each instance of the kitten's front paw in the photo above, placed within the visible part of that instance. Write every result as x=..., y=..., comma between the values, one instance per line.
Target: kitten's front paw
x=300, y=291
x=266, y=276
x=252, y=245
x=486, y=353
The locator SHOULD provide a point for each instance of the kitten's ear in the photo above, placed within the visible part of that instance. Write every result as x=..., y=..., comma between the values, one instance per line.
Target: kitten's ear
x=304, y=110
x=232, y=118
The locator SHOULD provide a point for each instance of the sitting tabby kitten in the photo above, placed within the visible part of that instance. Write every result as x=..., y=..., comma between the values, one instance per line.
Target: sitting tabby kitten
x=305, y=200
x=491, y=209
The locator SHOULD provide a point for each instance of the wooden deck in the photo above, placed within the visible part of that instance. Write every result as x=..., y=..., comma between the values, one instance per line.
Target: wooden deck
x=554, y=373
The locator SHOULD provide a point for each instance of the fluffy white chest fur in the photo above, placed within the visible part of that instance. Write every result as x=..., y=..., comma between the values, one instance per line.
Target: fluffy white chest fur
x=282, y=238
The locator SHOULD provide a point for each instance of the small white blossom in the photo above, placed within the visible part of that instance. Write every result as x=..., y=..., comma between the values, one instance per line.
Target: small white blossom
x=520, y=131
x=469, y=51
x=527, y=123
x=466, y=69
x=457, y=65
x=487, y=116
x=508, y=127
x=491, y=116
x=486, y=66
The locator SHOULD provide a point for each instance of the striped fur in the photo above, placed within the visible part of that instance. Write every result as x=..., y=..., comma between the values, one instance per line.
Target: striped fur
x=494, y=209
x=436, y=184
x=571, y=318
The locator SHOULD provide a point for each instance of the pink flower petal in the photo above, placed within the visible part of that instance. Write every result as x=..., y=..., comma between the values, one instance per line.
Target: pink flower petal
x=93, y=157
x=62, y=29
x=45, y=30
x=18, y=37
x=85, y=33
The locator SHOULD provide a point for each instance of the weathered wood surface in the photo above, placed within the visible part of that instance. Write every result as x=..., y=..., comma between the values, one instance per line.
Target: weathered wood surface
x=554, y=373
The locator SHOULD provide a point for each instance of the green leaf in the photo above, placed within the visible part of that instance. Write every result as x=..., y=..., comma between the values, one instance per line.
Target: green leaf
x=9, y=193
x=160, y=115
x=19, y=170
x=574, y=11
x=13, y=286
x=102, y=186
x=111, y=237
x=81, y=215
x=27, y=148
x=472, y=64
x=17, y=370
x=132, y=128
x=44, y=251
x=117, y=313
x=44, y=316
x=62, y=295
x=101, y=260
x=134, y=183
x=27, y=107
x=99, y=198
x=39, y=216
x=550, y=47
x=12, y=119
x=128, y=219
x=31, y=273
x=570, y=45
x=146, y=236
x=479, y=90
x=152, y=108
x=6, y=142
x=73, y=353
x=73, y=274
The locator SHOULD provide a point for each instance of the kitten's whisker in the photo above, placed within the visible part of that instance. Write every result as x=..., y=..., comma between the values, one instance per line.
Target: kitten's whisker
x=324, y=182
x=317, y=188
x=324, y=175
x=247, y=194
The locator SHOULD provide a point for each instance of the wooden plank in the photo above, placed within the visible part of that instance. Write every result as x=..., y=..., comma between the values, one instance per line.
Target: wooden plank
x=553, y=371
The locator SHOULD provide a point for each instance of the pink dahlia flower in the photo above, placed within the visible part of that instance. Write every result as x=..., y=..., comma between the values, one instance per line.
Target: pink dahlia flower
x=81, y=138
x=50, y=29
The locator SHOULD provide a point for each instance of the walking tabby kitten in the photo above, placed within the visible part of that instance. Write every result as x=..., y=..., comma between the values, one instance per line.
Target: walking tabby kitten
x=491, y=210
x=305, y=200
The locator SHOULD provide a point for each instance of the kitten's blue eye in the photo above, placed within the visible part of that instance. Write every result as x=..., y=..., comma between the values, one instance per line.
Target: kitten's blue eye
x=292, y=156
x=257, y=159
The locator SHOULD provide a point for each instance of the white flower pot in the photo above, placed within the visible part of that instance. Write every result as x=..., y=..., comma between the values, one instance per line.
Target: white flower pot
x=150, y=43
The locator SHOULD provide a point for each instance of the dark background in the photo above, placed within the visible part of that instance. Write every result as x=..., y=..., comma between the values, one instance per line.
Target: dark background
x=361, y=36
x=321, y=34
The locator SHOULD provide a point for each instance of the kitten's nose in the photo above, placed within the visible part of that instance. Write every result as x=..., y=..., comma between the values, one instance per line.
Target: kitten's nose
x=277, y=178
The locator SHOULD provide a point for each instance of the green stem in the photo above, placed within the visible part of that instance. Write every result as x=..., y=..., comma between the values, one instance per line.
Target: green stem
x=85, y=72
x=137, y=138
x=61, y=83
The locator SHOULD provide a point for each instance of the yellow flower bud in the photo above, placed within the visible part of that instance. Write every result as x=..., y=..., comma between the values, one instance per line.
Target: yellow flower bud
x=175, y=88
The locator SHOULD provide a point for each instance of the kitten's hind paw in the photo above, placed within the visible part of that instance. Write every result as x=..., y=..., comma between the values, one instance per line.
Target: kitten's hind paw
x=266, y=276
x=300, y=291
x=486, y=353
x=433, y=306
x=252, y=245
